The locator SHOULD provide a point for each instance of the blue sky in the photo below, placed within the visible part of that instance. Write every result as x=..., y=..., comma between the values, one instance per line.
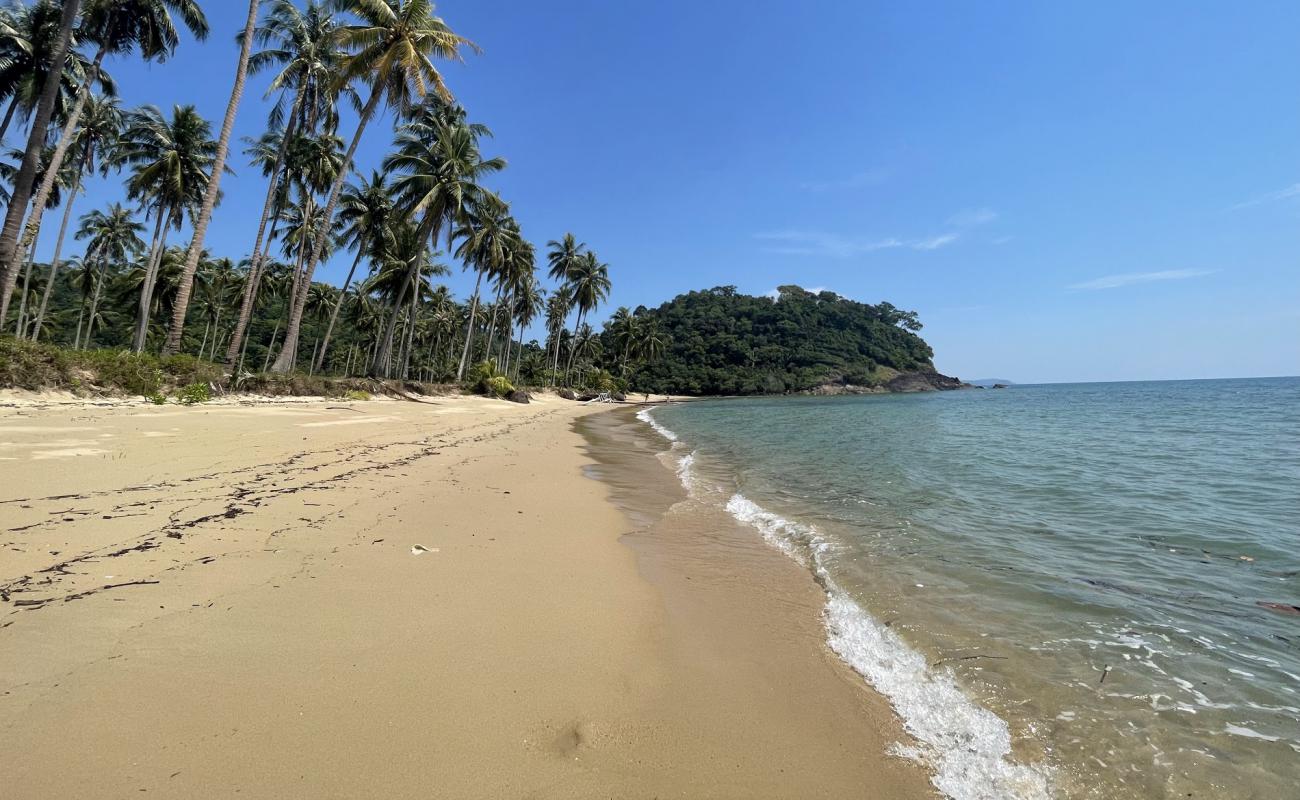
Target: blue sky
x=1083, y=191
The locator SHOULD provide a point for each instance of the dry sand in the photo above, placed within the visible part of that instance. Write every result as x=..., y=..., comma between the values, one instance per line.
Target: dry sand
x=396, y=600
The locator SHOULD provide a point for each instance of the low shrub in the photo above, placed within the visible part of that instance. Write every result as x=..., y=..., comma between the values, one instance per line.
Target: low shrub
x=356, y=394
x=499, y=386
x=194, y=393
x=157, y=398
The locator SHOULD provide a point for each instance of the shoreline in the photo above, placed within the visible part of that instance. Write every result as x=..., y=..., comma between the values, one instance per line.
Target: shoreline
x=384, y=599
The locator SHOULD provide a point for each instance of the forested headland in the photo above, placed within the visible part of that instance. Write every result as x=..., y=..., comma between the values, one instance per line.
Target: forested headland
x=722, y=342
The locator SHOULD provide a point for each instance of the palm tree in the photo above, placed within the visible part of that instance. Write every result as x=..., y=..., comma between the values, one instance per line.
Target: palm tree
x=488, y=234
x=171, y=169
x=28, y=36
x=590, y=282
x=365, y=217
x=626, y=331
x=173, y=341
x=114, y=238
x=392, y=49
x=22, y=187
x=563, y=259
x=96, y=137
x=305, y=47
x=557, y=310
x=115, y=26
x=529, y=303
x=440, y=165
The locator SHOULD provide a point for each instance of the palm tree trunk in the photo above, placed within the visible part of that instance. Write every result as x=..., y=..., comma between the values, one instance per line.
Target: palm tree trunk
x=146, y=288
x=216, y=335
x=271, y=347
x=22, y=185
x=469, y=331
x=255, y=263
x=257, y=268
x=181, y=305
x=9, y=116
x=334, y=315
x=410, y=333
x=289, y=354
x=58, y=243
x=94, y=300
x=66, y=137
x=207, y=324
x=21, y=328
x=573, y=350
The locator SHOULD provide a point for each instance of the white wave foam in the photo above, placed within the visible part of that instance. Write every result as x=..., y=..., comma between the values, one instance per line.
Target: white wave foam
x=967, y=746
x=686, y=472
x=645, y=416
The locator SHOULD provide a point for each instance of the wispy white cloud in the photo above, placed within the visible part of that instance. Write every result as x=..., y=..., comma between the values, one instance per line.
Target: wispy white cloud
x=1272, y=197
x=935, y=242
x=816, y=243
x=972, y=217
x=1116, y=281
x=858, y=180
x=1000, y=240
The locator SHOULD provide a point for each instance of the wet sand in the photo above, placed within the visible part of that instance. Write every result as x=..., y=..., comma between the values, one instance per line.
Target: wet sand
x=219, y=600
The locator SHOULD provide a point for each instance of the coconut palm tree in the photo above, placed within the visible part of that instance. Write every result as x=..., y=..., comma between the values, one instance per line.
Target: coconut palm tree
x=114, y=26
x=590, y=282
x=173, y=341
x=625, y=329
x=171, y=163
x=114, y=238
x=365, y=216
x=95, y=138
x=28, y=36
x=391, y=54
x=22, y=186
x=557, y=311
x=305, y=47
x=562, y=259
x=440, y=167
x=530, y=300
x=486, y=236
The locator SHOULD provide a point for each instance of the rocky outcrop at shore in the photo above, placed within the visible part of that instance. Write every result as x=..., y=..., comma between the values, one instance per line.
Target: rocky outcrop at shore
x=921, y=381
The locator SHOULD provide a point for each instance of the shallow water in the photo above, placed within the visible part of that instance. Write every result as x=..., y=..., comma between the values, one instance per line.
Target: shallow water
x=1057, y=586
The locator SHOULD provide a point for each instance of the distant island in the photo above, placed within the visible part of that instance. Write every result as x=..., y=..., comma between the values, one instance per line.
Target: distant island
x=722, y=342
x=990, y=382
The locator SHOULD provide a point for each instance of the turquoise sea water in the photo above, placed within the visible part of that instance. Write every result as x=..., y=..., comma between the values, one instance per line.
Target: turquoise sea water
x=1059, y=587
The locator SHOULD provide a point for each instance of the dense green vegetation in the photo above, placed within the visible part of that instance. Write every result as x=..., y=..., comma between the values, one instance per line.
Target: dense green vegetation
x=722, y=342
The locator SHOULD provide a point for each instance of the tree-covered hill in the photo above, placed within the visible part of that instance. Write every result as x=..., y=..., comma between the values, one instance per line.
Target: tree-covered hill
x=719, y=341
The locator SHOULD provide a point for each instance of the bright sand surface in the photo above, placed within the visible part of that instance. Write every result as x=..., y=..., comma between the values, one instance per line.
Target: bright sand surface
x=228, y=600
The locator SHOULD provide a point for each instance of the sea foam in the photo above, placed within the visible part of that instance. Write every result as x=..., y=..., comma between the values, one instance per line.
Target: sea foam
x=967, y=746
x=645, y=416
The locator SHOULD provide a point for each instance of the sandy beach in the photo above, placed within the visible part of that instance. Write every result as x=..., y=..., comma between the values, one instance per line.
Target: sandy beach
x=400, y=599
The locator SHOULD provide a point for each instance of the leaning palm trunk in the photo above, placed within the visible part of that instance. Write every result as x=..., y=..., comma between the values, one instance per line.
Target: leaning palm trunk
x=21, y=328
x=94, y=299
x=469, y=330
x=179, y=308
x=146, y=289
x=573, y=349
x=22, y=185
x=60, y=151
x=9, y=116
x=58, y=244
x=334, y=315
x=255, y=264
x=288, y=355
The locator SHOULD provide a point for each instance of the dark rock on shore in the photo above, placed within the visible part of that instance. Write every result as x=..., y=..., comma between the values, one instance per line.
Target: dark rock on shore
x=519, y=396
